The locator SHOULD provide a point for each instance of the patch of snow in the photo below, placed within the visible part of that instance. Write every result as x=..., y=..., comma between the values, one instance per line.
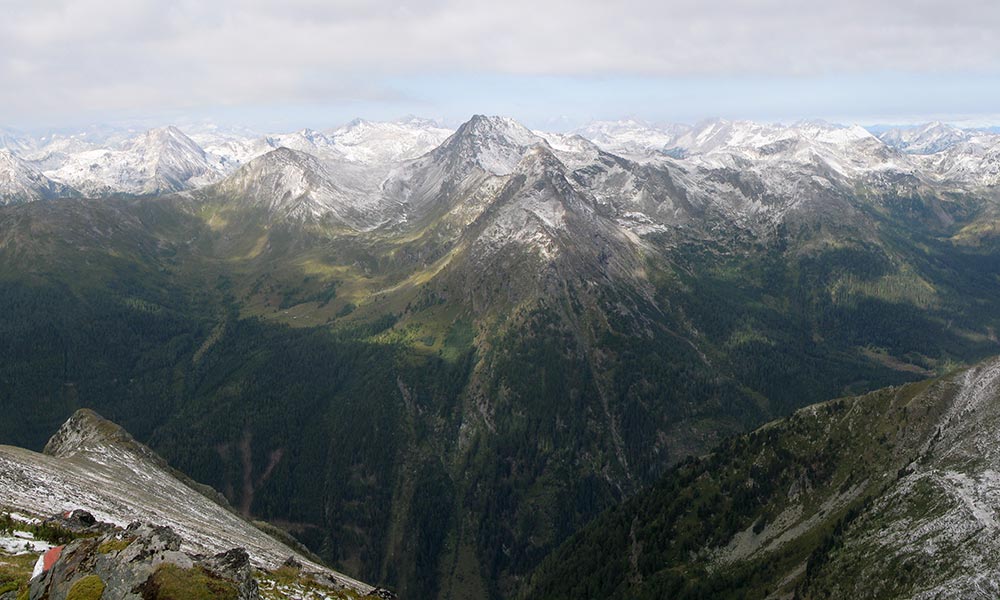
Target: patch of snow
x=39, y=567
x=16, y=544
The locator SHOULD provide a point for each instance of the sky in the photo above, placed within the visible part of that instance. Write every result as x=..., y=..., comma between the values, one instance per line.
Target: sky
x=553, y=64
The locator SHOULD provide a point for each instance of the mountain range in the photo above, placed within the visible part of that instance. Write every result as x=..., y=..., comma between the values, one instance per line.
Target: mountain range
x=100, y=163
x=434, y=356
x=167, y=160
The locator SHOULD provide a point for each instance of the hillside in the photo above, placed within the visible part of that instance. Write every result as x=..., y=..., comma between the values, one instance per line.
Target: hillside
x=887, y=495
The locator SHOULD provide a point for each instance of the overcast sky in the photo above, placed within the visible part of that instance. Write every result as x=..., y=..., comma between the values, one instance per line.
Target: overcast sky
x=550, y=63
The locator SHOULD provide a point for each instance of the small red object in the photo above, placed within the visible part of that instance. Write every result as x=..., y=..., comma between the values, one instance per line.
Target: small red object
x=51, y=556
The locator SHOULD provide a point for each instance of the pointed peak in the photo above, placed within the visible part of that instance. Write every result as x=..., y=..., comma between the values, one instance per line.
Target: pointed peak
x=492, y=123
x=495, y=127
x=167, y=131
x=495, y=144
x=168, y=136
x=279, y=176
x=87, y=429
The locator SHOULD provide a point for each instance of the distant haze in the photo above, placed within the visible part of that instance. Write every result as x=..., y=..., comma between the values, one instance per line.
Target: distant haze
x=552, y=64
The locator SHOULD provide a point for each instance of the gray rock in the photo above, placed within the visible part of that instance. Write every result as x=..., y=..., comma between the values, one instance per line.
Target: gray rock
x=234, y=566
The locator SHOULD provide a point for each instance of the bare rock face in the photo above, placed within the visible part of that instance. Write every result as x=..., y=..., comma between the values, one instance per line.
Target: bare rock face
x=143, y=562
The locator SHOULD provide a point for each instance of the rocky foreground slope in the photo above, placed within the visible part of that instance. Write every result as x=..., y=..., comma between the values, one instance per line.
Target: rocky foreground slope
x=94, y=465
x=894, y=494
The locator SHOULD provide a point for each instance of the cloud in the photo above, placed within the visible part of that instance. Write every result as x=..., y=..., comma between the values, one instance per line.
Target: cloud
x=114, y=55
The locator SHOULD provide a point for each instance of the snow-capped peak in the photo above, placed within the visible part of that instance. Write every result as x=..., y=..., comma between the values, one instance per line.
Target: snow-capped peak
x=295, y=185
x=495, y=144
x=281, y=181
x=163, y=138
x=158, y=161
x=495, y=127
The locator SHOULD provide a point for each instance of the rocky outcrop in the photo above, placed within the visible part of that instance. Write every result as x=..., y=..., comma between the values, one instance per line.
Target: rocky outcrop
x=233, y=566
x=143, y=562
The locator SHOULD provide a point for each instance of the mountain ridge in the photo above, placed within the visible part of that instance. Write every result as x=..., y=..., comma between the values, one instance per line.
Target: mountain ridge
x=910, y=520
x=165, y=159
x=21, y=182
x=95, y=465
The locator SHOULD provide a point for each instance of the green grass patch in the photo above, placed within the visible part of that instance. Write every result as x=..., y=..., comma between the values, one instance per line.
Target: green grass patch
x=171, y=582
x=89, y=588
x=110, y=546
x=15, y=571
